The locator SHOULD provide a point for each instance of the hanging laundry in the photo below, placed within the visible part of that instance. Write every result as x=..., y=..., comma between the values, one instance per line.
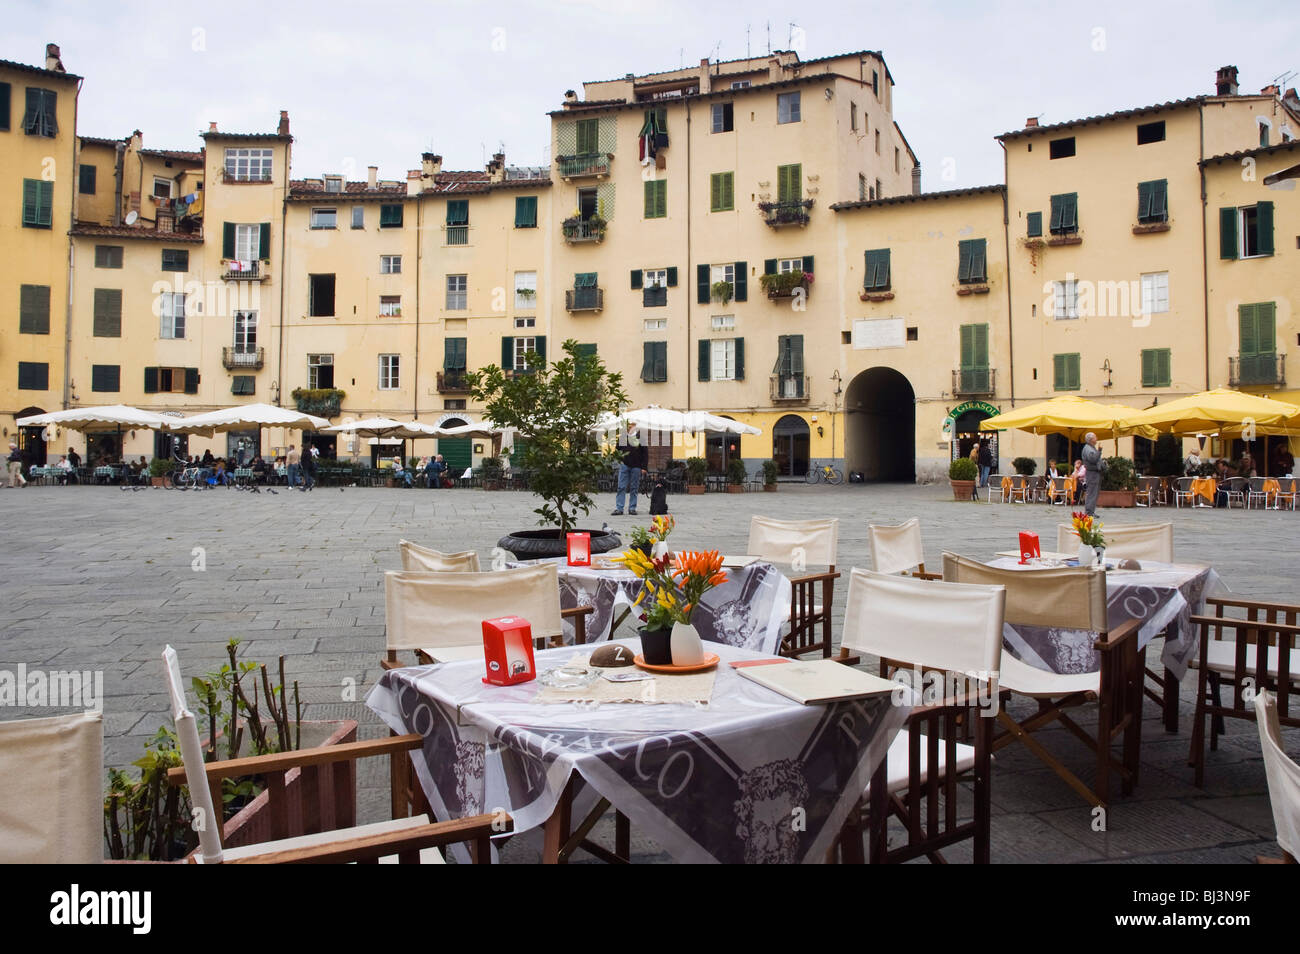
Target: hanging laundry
x=648, y=139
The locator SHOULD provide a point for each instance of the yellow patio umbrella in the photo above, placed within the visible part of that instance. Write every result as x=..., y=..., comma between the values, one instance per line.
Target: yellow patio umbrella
x=1217, y=411
x=1073, y=417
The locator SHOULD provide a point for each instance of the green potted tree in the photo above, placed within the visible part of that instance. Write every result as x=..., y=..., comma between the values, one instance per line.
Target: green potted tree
x=1025, y=466
x=737, y=474
x=490, y=471
x=557, y=412
x=159, y=468
x=1118, y=483
x=697, y=468
x=769, y=476
x=962, y=474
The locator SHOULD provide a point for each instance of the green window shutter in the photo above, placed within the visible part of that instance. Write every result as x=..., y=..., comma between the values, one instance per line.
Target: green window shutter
x=108, y=313
x=1058, y=209
x=191, y=380
x=636, y=278
x=964, y=264
x=705, y=359
x=1164, y=369
x=175, y=260
x=876, y=273
x=1266, y=327
x=588, y=136
x=33, y=376
x=1072, y=372
x=796, y=354
x=967, y=346
x=1248, y=345
x=741, y=291
x=390, y=216
x=661, y=361
x=1228, y=233
x=1160, y=200
x=454, y=354
x=1034, y=224
x=584, y=280
x=1071, y=213
x=1148, y=368
x=38, y=203
x=715, y=192
x=729, y=190
x=648, y=360
x=34, y=310
x=740, y=359
x=649, y=188
x=526, y=212
x=227, y=239
x=5, y=99
x=769, y=266
x=264, y=241
x=457, y=212
x=702, y=284
x=507, y=354
x=661, y=198
x=539, y=347
x=1144, y=201
x=1264, y=220
x=979, y=260
x=722, y=194
x=789, y=183
x=105, y=377
x=808, y=264
x=86, y=179
x=1065, y=212
x=30, y=201
x=1058, y=372
x=150, y=380
x=672, y=276
x=981, y=346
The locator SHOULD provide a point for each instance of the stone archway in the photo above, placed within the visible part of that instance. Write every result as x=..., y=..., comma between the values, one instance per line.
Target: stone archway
x=880, y=426
x=790, y=446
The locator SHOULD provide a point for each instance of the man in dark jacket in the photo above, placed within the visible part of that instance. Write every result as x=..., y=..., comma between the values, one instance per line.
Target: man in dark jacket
x=986, y=463
x=633, y=458
x=1093, y=466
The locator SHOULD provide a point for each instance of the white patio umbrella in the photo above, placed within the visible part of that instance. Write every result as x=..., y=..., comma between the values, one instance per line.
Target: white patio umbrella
x=106, y=419
x=656, y=418
x=245, y=416
x=384, y=428
x=482, y=431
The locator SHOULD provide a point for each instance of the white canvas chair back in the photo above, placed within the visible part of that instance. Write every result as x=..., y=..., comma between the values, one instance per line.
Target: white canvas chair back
x=52, y=790
x=950, y=626
x=432, y=610
x=423, y=559
x=896, y=549
x=1064, y=598
x=1139, y=541
x=1283, y=775
x=813, y=542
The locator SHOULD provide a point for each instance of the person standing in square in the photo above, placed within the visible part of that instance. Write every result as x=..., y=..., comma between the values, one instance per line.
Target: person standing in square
x=633, y=457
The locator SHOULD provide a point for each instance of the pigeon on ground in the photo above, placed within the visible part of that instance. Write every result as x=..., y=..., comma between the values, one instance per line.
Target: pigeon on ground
x=272, y=491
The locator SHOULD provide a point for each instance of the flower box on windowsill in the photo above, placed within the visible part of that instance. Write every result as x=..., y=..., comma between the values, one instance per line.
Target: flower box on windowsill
x=972, y=289
x=1035, y=243
x=876, y=296
x=1146, y=228
x=1057, y=240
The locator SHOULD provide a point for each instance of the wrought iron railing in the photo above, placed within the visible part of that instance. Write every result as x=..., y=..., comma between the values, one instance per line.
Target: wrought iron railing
x=777, y=214
x=973, y=381
x=242, y=357
x=789, y=387
x=1257, y=369
x=584, y=299
x=581, y=166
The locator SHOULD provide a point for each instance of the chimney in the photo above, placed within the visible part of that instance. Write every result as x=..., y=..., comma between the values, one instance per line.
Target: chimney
x=916, y=179
x=496, y=169
x=372, y=176
x=1031, y=122
x=430, y=166
x=52, y=61
x=413, y=181
x=1269, y=91
x=1292, y=100
x=1225, y=81
x=212, y=127
x=774, y=72
x=283, y=128
x=706, y=77
x=570, y=97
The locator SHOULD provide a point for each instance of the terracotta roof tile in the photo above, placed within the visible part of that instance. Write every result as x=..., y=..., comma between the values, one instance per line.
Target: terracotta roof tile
x=24, y=68
x=923, y=197
x=184, y=155
x=131, y=232
x=1247, y=153
x=1104, y=117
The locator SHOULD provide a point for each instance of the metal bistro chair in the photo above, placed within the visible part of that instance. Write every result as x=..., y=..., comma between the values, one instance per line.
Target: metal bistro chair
x=1152, y=490
x=1235, y=488
x=995, y=483
x=1183, y=492
x=1058, y=490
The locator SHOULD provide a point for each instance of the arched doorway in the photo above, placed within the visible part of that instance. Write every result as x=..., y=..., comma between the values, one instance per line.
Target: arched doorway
x=880, y=426
x=790, y=446
x=719, y=449
x=31, y=440
x=963, y=425
x=457, y=452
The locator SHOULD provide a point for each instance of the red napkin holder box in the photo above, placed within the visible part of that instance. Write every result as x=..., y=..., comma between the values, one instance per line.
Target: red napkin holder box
x=508, y=651
x=579, y=549
x=1029, y=546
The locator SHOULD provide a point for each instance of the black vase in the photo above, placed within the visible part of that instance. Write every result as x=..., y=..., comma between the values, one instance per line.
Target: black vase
x=656, y=646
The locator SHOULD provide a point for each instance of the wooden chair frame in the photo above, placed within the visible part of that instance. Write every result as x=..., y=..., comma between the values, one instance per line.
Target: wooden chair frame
x=810, y=628
x=578, y=614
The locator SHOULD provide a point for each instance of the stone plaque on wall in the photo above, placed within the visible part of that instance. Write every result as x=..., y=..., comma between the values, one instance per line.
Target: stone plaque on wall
x=869, y=333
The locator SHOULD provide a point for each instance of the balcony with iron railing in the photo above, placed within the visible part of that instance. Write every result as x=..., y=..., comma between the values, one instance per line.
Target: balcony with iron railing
x=789, y=388
x=243, y=358
x=1257, y=369
x=247, y=271
x=781, y=214
x=583, y=230
x=454, y=381
x=973, y=381
x=458, y=235
x=584, y=299
x=585, y=166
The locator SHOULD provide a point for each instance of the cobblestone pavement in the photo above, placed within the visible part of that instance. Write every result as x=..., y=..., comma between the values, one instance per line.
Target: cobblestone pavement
x=96, y=578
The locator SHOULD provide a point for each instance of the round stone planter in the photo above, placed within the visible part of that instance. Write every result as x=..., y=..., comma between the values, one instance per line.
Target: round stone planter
x=538, y=544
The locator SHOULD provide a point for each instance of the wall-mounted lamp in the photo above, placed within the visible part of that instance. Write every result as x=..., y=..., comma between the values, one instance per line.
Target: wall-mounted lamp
x=275, y=392
x=820, y=431
x=1105, y=366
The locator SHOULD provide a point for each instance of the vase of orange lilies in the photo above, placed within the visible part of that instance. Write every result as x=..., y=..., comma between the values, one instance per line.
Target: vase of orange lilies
x=671, y=589
x=1092, y=543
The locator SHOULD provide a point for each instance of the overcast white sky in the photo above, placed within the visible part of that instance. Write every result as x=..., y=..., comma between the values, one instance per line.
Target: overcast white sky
x=380, y=82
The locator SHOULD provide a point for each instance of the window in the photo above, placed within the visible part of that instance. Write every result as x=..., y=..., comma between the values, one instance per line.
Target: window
x=654, y=361
x=723, y=117
x=1065, y=299
x=1061, y=148
x=243, y=384
x=525, y=290
x=321, y=304
x=171, y=313
x=740, y=84
x=654, y=324
x=34, y=310
x=877, y=142
x=525, y=322
x=1246, y=232
x=105, y=377
x=245, y=332
x=33, y=376
x=880, y=192
x=1155, y=293
x=722, y=323
x=390, y=216
x=457, y=212
x=974, y=358
x=1065, y=214
x=1034, y=224
x=862, y=188
x=722, y=192
x=876, y=276
x=108, y=313
x=654, y=283
x=898, y=158
x=1263, y=134
x=1155, y=368
x=875, y=83
x=358, y=216
x=244, y=242
x=324, y=218
x=588, y=204
x=38, y=204
x=787, y=107
x=108, y=256
x=1151, y=132
x=523, y=346
x=41, y=116
x=390, y=264
x=457, y=292
x=656, y=198
x=390, y=306
x=175, y=260
x=789, y=366
x=389, y=372
x=972, y=265
x=853, y=117
x=1153, y=205
x=162, y=188
x=5, y=96
x=1257, y=344
x=723, y=358
x=1065, y=372
x=588, y=133
x=789, y=183
x=455, y=355
x=248, y=165
x=526, y=212
x=333, y=183
x=320, y=371
x=171, y=380
x=86, y=180
x=784, y=265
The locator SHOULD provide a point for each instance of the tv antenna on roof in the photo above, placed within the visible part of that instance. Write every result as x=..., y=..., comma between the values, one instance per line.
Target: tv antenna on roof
x=1281, y=81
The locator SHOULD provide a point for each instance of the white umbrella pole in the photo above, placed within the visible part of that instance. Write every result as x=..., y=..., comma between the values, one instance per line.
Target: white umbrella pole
x=187, y=733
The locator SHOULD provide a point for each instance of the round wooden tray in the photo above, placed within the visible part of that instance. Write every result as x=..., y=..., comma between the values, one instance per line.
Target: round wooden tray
x=710, y=661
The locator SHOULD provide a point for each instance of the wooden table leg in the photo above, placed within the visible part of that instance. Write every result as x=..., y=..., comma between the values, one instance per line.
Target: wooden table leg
x=1171, y=702
x=555, y=833
x=622, y=836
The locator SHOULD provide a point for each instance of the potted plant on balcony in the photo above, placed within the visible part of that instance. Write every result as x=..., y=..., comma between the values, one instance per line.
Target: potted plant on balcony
x=557, y=411
x=697, y=468
x=737, y=474
x=527, y=294
x=961, y=474
x=722, y=292
x=324, y=402
x=783, y=284
x=576, y=227
x=159, y=468
x=1118, y=483
x=769, y=476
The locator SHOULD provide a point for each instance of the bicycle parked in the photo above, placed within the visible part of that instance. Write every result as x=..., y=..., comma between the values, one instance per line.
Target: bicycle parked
x=824, y=473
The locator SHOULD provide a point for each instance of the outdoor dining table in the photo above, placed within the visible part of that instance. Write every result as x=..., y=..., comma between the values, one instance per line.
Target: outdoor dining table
x=1163, y=596
x=1205, y=487
x=747, y=610
x=749, y=777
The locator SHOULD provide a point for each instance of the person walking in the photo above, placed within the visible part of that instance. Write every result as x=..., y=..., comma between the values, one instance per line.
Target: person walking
x=16, y=478
x=291, y=466
x=1092, y=465
x=633, y=457
x=985, y=463
x=309, y=469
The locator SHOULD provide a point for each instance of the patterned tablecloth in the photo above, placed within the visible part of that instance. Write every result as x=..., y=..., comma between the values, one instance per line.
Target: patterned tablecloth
x=751, y=777
x=747, y=611
x=1162, y=595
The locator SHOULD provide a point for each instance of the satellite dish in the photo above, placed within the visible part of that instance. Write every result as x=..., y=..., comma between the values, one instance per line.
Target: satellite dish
x=131, y=217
